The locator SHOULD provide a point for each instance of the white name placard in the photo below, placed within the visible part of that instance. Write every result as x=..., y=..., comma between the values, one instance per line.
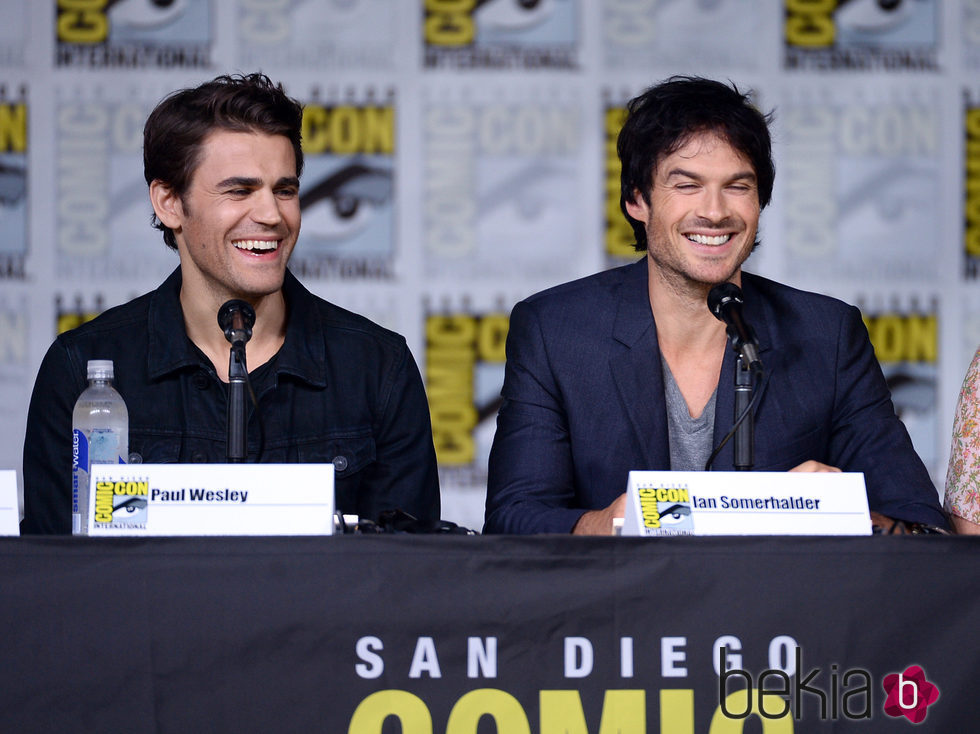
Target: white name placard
x=211, y=499
x=9, y=511
x=746, y=503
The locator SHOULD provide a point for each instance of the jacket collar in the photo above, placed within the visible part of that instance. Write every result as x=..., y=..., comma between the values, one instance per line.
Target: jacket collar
x=638, y=374
x=169, y=349
x=634, y=316
x=636, y=366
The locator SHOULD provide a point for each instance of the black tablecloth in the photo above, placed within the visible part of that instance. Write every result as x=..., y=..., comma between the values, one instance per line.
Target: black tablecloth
x=457, y=634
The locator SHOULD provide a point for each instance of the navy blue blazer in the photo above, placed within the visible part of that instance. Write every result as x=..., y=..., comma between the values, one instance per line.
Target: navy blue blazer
x=583, y=402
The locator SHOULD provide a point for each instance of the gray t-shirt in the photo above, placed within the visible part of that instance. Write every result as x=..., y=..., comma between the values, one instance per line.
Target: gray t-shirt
x=690, y=439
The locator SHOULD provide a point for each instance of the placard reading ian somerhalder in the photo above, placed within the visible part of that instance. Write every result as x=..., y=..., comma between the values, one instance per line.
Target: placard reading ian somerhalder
x=746, y=503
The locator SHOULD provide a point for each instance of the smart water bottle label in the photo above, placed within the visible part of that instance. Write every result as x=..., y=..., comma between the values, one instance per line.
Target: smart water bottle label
x=79, y=476
x=103, y=446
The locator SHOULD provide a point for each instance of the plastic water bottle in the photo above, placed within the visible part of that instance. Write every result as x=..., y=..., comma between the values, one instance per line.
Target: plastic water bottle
x=100, y=435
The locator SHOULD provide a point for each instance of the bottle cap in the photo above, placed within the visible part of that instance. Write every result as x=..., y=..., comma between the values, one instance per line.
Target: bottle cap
x=100, y=369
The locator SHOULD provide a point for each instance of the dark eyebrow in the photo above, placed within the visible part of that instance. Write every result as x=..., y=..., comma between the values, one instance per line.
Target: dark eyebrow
x=740, y=176
x=254, y=183
x=240, y=182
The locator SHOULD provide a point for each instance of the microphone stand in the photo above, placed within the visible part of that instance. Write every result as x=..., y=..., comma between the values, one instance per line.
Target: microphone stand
x=236, y=319
x=237, y=416
x=744, y=446
x=725, y=302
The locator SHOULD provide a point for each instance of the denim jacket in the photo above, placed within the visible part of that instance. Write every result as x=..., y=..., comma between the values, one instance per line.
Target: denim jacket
x=341, y=389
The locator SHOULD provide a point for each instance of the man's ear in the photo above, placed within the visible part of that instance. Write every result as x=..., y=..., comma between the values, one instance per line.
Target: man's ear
x=638, y=208
x=166, y=205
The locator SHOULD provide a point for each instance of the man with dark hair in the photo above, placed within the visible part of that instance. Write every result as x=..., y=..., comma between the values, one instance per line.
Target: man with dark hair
x=222, y=162
x=630, y=370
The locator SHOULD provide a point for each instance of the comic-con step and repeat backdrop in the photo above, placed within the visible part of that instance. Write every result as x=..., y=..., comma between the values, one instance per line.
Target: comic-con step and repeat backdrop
x=461, y=155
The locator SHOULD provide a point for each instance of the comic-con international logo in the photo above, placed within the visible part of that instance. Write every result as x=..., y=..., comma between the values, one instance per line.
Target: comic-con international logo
x=325, y=34
x=619, y=238
x=861, y=35
x=499, y=173
x=14, y=35
x=133, y=34
x=906, y=343
x=121, y=503
x=640, y=34
x=862, y=182
x=971, y=193
x=13, y=183
x=464, y=371
x=16, y=368
x=72, y=314
x=500, y=34
x=347, y=197
x=100, y=208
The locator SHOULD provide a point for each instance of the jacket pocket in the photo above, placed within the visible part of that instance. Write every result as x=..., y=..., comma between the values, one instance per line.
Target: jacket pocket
x=154, y=448
x=348, y=455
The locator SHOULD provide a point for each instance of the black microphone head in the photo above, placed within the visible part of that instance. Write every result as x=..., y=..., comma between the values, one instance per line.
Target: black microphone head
x=722, y=295
x=236, y=319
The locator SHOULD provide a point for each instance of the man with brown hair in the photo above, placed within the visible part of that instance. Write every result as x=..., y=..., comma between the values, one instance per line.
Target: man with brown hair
x=630, y=370
x=222, y=162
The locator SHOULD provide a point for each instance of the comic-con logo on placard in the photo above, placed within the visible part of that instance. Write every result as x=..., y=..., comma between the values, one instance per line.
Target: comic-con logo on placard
x=347, y=195
x=500, y=34
x=861, y=35
x=327, y=34
x=666, y=510
x=133, y=34
x=122, y=503
x=13, y=182
x=906, y=343
x=971, y=186
x=464, y=371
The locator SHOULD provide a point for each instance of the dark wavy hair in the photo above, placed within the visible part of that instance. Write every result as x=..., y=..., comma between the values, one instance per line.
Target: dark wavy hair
x=174, y=132
x=662, y=120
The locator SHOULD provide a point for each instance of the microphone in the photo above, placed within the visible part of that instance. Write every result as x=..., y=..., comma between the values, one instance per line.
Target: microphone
x=236, y=319
x=725, y=302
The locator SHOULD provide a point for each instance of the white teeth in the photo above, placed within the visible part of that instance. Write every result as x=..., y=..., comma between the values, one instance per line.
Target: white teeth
x=705, y=240
x=256, y=244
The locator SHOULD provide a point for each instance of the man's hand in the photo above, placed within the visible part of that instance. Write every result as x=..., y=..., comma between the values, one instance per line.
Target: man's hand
x=814, y=466
x=879, y=523
x=600, y=522
x=886, y=525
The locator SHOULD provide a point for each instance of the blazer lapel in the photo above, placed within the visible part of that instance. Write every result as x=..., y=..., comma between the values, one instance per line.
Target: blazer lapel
x=636, y=369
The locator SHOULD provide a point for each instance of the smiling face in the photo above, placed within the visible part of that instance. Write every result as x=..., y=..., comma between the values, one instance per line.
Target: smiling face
x=237, y=223
x=703, y=213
